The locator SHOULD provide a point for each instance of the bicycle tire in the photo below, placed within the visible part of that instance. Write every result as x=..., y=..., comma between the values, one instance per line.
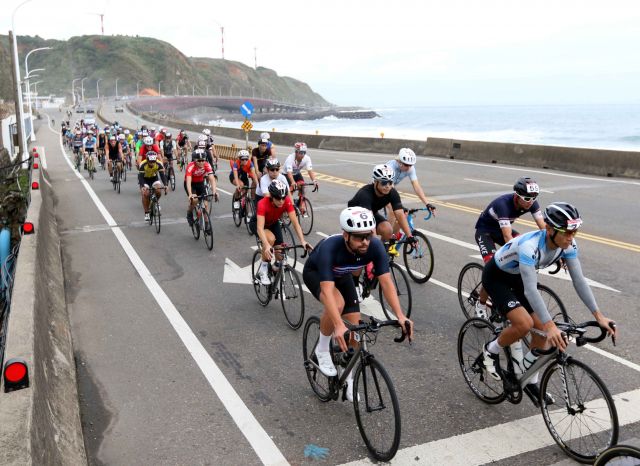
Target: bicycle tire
x=90, y=167
x=249, y=212
x=237, y=218
x=287, y=237
x=419, y=259
x=172, y=178
x=124, y=172
x=554, y=304
x=292, y=297
x=195, y=226
x=403, y=290
x=306, y=220
x=263, y=292
x=469, y=283
x=573, y=447
x=157, y=221
x=319, y=382
x=207, y=232
x=118, y=184
x=470, y=359
x=618, y=453
x=209, y=194
x=370, y=405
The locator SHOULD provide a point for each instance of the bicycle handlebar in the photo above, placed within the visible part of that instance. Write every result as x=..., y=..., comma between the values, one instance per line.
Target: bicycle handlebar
x=374, y=325
x=579, y=330
x=427, y=217
x=295, y=246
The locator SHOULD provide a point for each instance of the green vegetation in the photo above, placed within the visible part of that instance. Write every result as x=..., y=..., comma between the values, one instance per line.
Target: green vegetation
x=133, y=59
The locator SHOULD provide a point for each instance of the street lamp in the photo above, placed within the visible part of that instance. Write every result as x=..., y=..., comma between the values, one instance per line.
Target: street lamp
x=98, y=87
x=16, y=64
x=138, y=88
x=82, y=87
x=159, y=82
x=73, y=90
x=32, y=136
x=117, y=88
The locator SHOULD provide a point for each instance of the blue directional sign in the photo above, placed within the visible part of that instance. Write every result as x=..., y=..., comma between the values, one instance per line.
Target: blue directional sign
x=246, y=109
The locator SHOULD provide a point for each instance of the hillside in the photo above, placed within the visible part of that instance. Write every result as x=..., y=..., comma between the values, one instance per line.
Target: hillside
x=149, y=61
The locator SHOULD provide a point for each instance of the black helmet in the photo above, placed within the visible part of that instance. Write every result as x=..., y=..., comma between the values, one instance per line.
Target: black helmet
x=198, y=154
x=526, y=186
x=562, y=216
x=278, y=189
x=272, y=163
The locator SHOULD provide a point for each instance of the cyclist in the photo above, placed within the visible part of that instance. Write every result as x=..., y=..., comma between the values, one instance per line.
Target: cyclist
x=76, y=143
x=211, y=148
x=241, y=171
x=150, y=175
x=376, y=196
x=102, y=144
x=270, y=145
x=273, y=173
x=126, y=148
x=259, y=155
x=159, y=137
x=168, y=149
x=494, y=224
x=115, y=155
x=266, y=225
x=328, y=276
x=148, y=146
x=510, y=278
x=297, y=161
x=89, y=146
x=184, y=145
x=195, y=174
x=140, y=142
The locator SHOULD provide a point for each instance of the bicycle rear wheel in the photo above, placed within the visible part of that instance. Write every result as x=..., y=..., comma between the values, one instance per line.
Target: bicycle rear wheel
x=292, y=297
x=619, y=455
x=237, y=218
x=473, y=335
x=156, y=216
x=263, y=292
x=586, y=421
x=418, y=259
x=172, y=178
x=403, y=290
x=377, y=409
x=306, y=218
x=207, y=229
x=319, y=382
x=469, y=284
x=287, y=237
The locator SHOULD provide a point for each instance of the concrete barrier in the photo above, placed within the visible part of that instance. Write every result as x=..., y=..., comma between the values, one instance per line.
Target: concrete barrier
x=600, y=162
x=40, y=425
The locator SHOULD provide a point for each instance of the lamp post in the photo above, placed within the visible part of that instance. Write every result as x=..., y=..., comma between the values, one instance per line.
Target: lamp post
x=138, y=88
x=32, y=136
x=16, y=64
x=73, y=90
x=82, y=87
x=117, y=88
x=98, y=87
x=159, y=82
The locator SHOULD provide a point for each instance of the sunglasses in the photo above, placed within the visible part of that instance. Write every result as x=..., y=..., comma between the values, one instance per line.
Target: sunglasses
x=385, y=183
x=361, y=238
x=273, y=169
x=527, y=198
x=199, y=161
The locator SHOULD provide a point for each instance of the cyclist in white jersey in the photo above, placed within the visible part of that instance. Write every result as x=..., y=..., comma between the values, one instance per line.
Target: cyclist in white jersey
x=510, y=279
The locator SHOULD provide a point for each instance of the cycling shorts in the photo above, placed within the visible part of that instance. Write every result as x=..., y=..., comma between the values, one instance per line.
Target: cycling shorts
x=196, y=188
x=487, y=241
x=506, y=289
x=242, y=176
x=274, y=228
x=344, y=284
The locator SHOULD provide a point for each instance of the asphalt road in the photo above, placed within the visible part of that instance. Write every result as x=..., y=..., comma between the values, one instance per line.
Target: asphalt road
x=150, y=393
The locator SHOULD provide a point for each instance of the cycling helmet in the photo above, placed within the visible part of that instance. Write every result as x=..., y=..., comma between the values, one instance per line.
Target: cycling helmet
x=206, y=132
x=301, y=147
x=167, y=135
x=383, y=173
x=127, y=132
x=357, y=220
x=526, y=186
x=263, y=141
x=112, y=138
x=163, y=130
x=145, y=133
x=152, y=156
x=272, y=163
x=121, y=137
x=108, y=130
x=198, y=154
x=202, y=144
x=202, y=137
x=265, y=136
x=148, y=141
x=406, y=156
x=562, y=216
x=101, y=131
x=153, y=128
x=278, y=189
x=243, y=154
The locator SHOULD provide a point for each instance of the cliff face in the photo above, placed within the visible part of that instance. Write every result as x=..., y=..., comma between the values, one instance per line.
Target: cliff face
x=146, y=62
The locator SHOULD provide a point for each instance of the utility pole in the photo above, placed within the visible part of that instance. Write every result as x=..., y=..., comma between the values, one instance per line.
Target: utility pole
x=18, y=100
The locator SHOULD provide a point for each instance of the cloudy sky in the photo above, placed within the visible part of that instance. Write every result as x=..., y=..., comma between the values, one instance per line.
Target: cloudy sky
x=381, y=53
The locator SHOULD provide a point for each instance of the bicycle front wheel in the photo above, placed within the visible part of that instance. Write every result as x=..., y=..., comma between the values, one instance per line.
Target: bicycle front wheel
x=620, y=455
x=288, y=238
x=555, y=306
x=585, y=422
x=377, y=409
x=195, y=226
x=306, y=216
x=319, y=382
x=237, y=218
x=172, y=178
x=469, y=285
x=207, y=229
x=292, y=297
x=418, y=258
x=263, y=292
x=403, y=291
x=249, y=212
x=473, y=335
x=156, y=216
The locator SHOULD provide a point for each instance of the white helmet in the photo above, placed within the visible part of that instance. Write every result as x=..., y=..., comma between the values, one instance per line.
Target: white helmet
x=357, y=220
x=265, y=136
x=148, y=140
x=202, y=137
x=206, y=132
x=243, y=154
x=406, y=156
x=300, y=147
x=121, y=137
x=383, y=173
x=127, y=132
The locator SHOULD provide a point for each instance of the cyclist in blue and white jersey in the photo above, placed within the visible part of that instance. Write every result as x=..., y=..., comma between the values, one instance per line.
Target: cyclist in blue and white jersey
x=494, y=224
x=328, y=275
x=511, y=280
x=89, y=144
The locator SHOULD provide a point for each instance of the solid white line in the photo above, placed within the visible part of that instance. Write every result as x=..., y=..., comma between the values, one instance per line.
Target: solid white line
x=355, y=161
x=226, y=192
x=502, y=184
x=618, y=359
x=260, y=441
x=448, y=239
x=513, y=438
x=324, y=235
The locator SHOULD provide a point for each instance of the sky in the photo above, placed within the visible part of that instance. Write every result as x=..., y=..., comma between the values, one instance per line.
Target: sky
x=384, y=54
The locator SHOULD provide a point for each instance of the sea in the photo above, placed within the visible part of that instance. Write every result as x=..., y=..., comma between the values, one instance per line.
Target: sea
x=604, y=126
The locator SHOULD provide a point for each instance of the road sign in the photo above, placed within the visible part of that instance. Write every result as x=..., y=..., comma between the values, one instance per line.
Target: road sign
x=246, y=109
x=246, y=126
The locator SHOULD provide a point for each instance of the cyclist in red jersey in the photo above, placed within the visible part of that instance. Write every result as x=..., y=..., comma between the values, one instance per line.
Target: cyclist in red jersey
x=148, y=146
x=194, y=181
x=241, y=171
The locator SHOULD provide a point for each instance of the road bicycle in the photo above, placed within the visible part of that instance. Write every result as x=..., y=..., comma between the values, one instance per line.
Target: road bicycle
x=171, y=174
x=202, y=222
x=78, y=157
x=243, y=208
x=303, y=207
x=375, y=401
x=155, y=216
x=182, y=158
x=619, y=455
x=116, y=170
x=91, y=167
x=208, y=193
x=470, y=282
x=285, y=285
x=577, y=407
x=369, y=282
x=417, y=257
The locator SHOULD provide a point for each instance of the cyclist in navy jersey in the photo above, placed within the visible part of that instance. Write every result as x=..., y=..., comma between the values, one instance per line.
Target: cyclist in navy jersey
x=494, y=224
x=328, y=275
x=510, y=279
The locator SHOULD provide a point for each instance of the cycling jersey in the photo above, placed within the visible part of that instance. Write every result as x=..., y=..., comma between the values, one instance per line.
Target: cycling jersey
x=77, y=141
x=261, y=157
x=198, y=174
x=502, y=212
x=102, y=141
x=246, y=167
x=182, y=139
x=147, y=171
x=399, y=175
x=367, y=198
x=113, y=151
x=89, y=142
x=332, y=259
x=270, y=212
x=144, y=149
x=168, y=146
x=291, y=165
x=265, y=181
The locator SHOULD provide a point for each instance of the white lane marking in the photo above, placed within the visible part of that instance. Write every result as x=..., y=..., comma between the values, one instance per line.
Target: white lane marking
x=502, y=184
x=355, y=161
x=226, y=192
x=324, y=235
x=260, y=441
x=618, y=359
x=516, y=437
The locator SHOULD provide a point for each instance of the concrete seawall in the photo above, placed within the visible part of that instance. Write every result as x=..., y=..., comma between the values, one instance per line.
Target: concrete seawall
x=573, y=159
x=41, y=424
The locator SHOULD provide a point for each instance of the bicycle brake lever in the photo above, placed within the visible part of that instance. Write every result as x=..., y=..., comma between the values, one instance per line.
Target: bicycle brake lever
x=613, y=337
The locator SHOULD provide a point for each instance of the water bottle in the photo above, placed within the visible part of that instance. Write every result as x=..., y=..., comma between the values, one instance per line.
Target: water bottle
x=529, y=360
x=517, y=357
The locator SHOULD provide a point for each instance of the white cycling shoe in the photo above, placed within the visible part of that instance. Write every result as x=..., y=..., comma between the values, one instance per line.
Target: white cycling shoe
x=349, y=390
x=325, y=364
